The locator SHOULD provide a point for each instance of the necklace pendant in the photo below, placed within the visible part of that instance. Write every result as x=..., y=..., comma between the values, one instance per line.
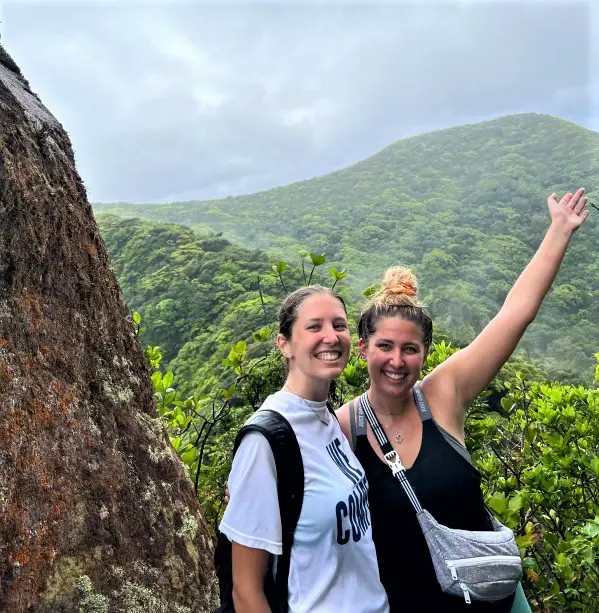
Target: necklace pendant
x=398, y=437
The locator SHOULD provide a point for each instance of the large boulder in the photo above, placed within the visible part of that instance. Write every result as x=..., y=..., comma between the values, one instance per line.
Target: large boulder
x=96, y=512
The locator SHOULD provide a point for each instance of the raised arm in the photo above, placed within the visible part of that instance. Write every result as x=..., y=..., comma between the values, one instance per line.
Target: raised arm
x=466, y=374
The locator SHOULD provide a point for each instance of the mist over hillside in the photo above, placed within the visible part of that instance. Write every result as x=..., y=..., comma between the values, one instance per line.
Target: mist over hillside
x=465, y=207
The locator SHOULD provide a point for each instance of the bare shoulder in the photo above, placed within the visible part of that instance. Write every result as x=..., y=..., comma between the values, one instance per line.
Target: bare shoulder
x=343, y=416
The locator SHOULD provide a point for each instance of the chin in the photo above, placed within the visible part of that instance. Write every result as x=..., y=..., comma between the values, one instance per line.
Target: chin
x=329, y=372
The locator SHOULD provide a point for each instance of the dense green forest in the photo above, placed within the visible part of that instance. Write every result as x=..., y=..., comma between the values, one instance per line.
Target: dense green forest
x=207, y=312
x=464, y=207
x=196, y=294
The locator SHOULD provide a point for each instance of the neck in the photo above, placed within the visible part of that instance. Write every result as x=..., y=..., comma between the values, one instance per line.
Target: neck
x=310, y=389
x=390, y=405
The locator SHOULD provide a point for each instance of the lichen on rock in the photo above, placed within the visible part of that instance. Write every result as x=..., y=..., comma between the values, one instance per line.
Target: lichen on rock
x=97, y=514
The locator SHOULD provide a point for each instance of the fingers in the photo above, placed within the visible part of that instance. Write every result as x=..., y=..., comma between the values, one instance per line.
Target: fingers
x=573, y=201
x=580, y=206
x=565, y=199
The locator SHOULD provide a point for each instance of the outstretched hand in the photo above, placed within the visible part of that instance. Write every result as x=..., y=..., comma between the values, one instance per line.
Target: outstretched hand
x=569, y=211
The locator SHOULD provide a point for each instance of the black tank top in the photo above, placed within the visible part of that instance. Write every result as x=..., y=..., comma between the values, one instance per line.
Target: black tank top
x=448, y=486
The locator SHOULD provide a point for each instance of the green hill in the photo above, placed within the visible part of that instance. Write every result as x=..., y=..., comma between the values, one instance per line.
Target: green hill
x=465, y=207
x=196, y=294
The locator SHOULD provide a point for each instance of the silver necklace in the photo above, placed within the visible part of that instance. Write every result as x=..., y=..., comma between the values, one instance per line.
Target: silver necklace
x=397, y=437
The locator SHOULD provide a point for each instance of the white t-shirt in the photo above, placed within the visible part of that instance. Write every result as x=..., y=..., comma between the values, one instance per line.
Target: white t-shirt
x=333, y=565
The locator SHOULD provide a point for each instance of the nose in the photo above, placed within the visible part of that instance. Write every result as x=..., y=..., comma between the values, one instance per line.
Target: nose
x=330, y=335
x=397, y=358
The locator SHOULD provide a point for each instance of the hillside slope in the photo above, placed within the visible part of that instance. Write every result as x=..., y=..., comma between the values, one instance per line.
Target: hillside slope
x=465, y=207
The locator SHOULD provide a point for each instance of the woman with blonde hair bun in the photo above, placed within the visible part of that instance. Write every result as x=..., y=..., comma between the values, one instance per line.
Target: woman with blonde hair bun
x=422, y=423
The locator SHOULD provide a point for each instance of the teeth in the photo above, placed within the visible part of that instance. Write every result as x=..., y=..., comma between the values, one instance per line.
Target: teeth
x=329, y=356
x=394, y=376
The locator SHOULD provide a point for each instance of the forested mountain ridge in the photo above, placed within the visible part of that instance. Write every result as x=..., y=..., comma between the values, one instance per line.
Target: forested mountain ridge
x=466, y=176
x=196, y=294
x=465, y=207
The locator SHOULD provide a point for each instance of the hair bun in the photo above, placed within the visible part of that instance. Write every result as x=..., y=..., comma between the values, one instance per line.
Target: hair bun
x=399, y=286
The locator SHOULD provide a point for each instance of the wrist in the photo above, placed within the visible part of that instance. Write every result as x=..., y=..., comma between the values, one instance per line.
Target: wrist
x=560, y=229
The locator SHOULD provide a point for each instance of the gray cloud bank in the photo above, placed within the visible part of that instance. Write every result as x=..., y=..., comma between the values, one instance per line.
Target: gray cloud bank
x=178, y=101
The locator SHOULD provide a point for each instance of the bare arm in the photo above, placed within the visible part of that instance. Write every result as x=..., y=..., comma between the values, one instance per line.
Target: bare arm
x=249, y=567
x=466, y=374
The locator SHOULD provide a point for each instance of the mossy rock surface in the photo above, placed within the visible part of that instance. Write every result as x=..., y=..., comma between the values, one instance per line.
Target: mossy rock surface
x=96, y=512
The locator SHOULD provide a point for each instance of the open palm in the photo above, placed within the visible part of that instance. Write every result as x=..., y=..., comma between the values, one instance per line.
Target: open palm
x=569, y=211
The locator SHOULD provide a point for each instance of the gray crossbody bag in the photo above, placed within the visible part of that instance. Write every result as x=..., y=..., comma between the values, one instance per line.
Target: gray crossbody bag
x=475, y=564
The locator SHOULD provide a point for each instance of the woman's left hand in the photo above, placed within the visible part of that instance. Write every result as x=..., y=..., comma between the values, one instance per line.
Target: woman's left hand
x=569, y=212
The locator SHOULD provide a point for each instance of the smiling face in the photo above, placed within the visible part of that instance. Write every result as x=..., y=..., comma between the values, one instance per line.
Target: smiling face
x=319, y=343
x=395, y=354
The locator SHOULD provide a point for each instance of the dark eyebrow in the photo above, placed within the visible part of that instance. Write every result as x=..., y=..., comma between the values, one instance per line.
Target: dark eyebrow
x=388, y=340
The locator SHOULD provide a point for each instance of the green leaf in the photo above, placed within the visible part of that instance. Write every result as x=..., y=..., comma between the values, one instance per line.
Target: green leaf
x=167, y=381
x=280, y=267
x=136, y=317
x=303, y=253
x=591, y=529
x=498, y=503
x=337, y=274
x=189, y=456
x=562, y=559
x=516, y=503
x=317, y=260
x=262, y=335
x=369, y=291
x=526, y=540
x=589, y=555
x=228, y=393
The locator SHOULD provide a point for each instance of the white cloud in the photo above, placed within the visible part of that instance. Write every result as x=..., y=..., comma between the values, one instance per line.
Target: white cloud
x=174, y=99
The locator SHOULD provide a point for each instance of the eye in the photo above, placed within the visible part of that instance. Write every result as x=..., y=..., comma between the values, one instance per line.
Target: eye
x=384, y=346
x=411, y=350
x=340, y=325
x=313, y=327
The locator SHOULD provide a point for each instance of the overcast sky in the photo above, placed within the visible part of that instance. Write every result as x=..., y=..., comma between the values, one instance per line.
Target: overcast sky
x=177, y=100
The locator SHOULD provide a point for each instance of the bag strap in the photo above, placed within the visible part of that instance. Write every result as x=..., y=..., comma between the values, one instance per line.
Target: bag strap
x=423, y=408
x=290, y=484
x=352, y=424
x=391, y=456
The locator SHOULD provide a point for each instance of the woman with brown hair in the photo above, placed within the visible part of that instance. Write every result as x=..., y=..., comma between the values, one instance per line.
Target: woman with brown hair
x=333, y=563
x=424, y=421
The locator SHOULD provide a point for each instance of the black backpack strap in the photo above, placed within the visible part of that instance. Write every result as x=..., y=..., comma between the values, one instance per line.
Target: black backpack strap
x=290, y=485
